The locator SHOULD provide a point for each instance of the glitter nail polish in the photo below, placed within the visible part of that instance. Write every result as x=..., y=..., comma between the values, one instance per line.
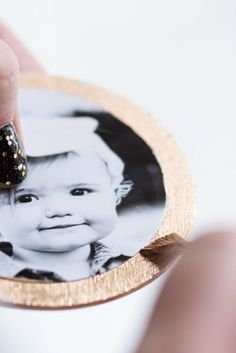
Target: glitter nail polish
x=13, y=162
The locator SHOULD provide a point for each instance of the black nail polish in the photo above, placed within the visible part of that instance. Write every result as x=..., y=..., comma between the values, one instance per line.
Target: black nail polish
x=13, y=162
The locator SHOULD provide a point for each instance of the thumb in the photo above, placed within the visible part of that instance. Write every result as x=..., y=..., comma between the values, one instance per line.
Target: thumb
x=13, y=167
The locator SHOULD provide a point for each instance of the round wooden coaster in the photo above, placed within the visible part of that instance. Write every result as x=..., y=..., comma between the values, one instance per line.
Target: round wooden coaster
x=134, y=271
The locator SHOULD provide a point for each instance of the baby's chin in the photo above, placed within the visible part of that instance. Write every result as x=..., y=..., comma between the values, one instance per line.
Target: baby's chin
x=58, y=242
x=59, y=248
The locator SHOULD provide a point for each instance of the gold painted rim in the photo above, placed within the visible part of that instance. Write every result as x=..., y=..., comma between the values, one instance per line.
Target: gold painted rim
x=178, y=214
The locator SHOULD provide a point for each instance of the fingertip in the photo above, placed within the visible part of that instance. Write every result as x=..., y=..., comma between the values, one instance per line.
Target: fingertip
x=9, y=65
x=196, y=305
x=212, y=243
x=26, y=60
x=9, y=76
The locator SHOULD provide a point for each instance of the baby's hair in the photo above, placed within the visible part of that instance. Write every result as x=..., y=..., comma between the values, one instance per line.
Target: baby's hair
x=121, y=191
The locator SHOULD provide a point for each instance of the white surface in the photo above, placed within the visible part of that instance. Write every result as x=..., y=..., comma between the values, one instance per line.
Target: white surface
x=177, y=60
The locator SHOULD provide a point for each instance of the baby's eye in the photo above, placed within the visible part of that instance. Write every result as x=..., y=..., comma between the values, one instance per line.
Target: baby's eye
x=80, y=192
x=26, y=198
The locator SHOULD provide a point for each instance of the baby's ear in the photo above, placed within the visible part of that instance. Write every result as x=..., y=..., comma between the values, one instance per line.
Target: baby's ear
x=118, y=196
x=123, y=190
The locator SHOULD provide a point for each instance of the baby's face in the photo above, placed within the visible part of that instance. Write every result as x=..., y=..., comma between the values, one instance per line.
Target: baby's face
x=65, y=205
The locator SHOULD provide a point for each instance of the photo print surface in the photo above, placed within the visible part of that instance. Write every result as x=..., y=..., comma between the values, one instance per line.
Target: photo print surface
x=94, y=195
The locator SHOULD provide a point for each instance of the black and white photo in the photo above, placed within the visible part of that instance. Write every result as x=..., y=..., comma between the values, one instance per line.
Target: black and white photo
x=93, y=197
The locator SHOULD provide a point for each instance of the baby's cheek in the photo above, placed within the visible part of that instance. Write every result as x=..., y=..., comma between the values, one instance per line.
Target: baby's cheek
x=25, y=221
x=102, y=215
x=5, y=221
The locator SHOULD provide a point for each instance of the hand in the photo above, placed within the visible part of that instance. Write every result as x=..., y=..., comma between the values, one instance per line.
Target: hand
x=11, y=148
x=195, y=312
x=12, y=61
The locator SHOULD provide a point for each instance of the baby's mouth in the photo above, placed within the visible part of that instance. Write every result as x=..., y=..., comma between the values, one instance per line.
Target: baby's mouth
x=61, y=226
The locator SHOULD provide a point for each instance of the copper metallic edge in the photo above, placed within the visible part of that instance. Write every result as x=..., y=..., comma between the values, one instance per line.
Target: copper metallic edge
x=178, y=214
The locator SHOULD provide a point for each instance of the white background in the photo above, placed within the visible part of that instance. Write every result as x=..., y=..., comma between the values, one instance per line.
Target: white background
x=176, y=59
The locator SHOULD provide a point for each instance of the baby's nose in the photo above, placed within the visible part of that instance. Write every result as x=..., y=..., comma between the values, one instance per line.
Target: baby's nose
x=57, y=209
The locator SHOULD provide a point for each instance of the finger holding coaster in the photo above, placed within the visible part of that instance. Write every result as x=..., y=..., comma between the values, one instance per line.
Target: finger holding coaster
x=13, y=162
